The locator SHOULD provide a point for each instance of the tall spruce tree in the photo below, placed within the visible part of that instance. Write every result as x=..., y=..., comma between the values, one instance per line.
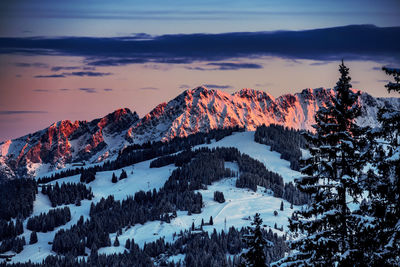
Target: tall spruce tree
x=255, y=256
x=381, y=234
x=327, y=225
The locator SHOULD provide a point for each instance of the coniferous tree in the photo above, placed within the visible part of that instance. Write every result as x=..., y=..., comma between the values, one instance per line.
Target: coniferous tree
x=255, y=256
x=116, y=242
x=332, y=174
x=33, y=239
x=281, y=208
x=380, y=236
x=114, y=178
x=211, y=222
x=123, y=175
x=128, y=244
x=219, y=197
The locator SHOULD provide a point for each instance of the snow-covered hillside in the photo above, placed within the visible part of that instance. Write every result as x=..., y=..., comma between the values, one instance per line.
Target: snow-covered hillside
x=235, y=211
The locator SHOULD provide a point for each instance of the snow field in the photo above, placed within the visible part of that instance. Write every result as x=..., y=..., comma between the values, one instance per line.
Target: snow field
x=239, y=203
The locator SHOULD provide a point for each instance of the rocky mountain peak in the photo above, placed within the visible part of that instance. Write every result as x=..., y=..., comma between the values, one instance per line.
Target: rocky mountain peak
x=194, y=110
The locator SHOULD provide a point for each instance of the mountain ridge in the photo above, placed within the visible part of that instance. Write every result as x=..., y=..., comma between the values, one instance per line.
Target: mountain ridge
x=194, y=110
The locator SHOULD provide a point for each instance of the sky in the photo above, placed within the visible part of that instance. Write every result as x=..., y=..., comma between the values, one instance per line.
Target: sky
x=82, y=59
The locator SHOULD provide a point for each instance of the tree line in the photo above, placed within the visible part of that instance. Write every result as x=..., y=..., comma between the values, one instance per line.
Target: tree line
x=17, y=198
x=67, y=193
x=10, y=229
x=252, y=172
x=46, y=222
x=200, y=249
x=137, y=153
x=284, y=140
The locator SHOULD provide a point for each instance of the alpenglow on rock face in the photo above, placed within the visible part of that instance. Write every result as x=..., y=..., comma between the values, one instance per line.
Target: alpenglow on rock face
x=194, y=110
x=65, y=142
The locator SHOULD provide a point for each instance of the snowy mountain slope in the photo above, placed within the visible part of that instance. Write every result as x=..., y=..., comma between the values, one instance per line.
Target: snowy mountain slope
x=65, y=142
x=195, y=110
x=244, y=142
x=201, y=109
x=240, y=203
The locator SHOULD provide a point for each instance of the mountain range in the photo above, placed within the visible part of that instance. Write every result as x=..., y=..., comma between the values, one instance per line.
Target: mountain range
x=66, y=143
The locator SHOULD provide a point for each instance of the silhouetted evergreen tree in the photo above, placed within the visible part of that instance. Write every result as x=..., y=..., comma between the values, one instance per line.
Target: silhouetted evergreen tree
x=379, y=234
x=332, y=175
x=116, y=242
x=114, y=178
x=219, y=197
x=123, y=175
x=33, y=239
x=255, y=256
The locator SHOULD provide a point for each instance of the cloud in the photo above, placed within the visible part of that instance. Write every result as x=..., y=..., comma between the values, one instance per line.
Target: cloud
x=176, y=13
x=13, y=112
x=149, y=88
x=320, y=63
x=77, y=73
x=50, y=76
x=108, y=89
x=226, y=66
x=395, y=66
x=383, y=81
x=87, y=74
x=319, y=44
x=28, y=65
x=18, y=75
x=235, y=66
x=41, y=90
x=88, y=90
x=162, y=67
x=355, y=82
x=200, y=68
x=116, y=62
x=64, y=89
x=216, y=86
x=58, y=68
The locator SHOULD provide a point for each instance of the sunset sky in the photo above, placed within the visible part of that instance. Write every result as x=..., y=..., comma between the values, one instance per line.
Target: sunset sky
x=82, y=59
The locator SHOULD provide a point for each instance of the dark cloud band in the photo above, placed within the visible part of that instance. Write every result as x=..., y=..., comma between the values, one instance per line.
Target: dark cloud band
x=359, y=42
x=13, y=112
x=76, y=73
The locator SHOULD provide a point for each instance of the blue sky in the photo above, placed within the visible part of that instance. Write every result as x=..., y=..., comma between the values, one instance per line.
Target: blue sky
x=111, y=18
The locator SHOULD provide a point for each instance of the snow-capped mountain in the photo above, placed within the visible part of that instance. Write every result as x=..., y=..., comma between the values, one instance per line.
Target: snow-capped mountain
x=64, y=142
x=201, y=109
x=195, y=110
